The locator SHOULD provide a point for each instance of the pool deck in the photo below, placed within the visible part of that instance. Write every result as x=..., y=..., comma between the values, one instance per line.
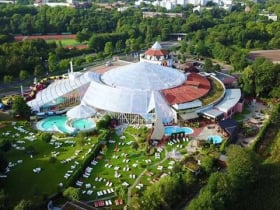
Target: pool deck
x=207, y=131
x=196, y=132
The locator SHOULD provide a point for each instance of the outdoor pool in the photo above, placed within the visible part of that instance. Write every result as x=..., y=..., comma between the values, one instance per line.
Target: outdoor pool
x=58, y=124
x=82, y=124
x=176, y=129
x=216, y=139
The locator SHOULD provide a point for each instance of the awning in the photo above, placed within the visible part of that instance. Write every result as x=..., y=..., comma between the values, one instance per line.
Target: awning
x=189, y=116
x=188, y=105
x=213, y=113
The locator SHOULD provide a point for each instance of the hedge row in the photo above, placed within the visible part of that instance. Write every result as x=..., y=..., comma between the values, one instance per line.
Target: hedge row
x=262, y=132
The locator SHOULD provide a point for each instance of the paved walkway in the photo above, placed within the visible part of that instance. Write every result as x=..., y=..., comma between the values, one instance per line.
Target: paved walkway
x=141, y=174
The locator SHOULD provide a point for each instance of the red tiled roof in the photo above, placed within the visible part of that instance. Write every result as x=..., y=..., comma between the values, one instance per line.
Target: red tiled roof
x=187, y=91
x=154, y=52
x=193, y=83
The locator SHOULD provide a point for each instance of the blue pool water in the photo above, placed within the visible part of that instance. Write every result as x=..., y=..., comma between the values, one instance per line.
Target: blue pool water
x=216, y=139
x=58, y=123
x=83, y=124
x=176, y=129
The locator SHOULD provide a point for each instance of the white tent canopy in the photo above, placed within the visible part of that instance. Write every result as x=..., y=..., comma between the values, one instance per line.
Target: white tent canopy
x=158, y=131
x=143, y=76
x=81, y=111
x=121, y=100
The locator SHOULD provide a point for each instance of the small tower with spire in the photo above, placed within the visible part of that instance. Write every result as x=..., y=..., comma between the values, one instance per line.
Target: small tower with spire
x=157, y=55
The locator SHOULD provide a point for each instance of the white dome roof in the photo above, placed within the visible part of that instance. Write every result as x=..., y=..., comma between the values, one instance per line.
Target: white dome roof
x=143, y=76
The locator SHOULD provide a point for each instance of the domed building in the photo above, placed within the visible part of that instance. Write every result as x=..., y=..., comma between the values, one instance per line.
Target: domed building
x=136, y=93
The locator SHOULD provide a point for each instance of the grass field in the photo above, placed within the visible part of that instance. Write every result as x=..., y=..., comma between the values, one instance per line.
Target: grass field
x=215, y=93
x=65, y=42
x=23, y=183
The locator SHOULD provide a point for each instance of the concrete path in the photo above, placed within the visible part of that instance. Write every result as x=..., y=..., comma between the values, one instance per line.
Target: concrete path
x=141, y=174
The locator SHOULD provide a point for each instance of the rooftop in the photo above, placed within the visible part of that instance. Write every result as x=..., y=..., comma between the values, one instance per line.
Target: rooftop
x=187, y=91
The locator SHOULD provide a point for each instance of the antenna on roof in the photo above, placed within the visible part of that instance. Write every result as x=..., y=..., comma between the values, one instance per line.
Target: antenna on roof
x=71, y=66
x=21, y=90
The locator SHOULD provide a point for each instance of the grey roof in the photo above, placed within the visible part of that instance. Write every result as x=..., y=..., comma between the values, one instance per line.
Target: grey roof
x=189, y=116
x=231, y=98
x=188, y=105
x=214, y=113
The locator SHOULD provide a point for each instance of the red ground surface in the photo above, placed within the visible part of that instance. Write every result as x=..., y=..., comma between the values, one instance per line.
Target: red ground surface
x=273, y=55
x=45, y=37
x=193, y=88
x=196, y=132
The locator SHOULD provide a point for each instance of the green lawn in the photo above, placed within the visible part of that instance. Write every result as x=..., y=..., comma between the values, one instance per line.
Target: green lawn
x=22, y=182
x=66, y=42
x=214, y=94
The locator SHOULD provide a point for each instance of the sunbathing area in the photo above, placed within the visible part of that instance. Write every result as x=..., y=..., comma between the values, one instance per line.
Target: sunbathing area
x=117, y=171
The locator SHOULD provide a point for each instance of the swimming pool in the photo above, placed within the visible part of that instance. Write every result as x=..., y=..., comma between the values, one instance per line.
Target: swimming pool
x=60, y=124
x=83, y=124
x=216, y=139
x=176, y=129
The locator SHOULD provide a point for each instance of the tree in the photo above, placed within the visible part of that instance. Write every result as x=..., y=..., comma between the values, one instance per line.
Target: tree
x=183, y=47
x=3, y=200
x=23, y=205
x=72, y=193
x=119, y=45
x=20, y=107
x=5, y=145
x=82, y=36
x=8, y=79
x=23, y=74
x=208, y=65
x=104, y=123
x=108, y=49
x=215, y=195
x=38, y=70
x=46, y=137
x=3, y=162
x=248, y=81
x=52, y=61
x=6, y=38
x=135, y=145
x=243, y=166
x=207, y=163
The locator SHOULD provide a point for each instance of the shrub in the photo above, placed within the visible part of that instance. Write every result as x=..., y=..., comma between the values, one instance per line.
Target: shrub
x=72, y=193
x=52, y=159
x=46, y=137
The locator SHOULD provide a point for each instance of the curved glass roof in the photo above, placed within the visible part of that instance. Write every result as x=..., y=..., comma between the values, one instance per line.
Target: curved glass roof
x=61, y=87
x=143, y=76
x=81, y=111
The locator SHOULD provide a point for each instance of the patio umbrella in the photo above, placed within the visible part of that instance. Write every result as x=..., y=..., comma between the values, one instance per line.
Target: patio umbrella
x=81, y=111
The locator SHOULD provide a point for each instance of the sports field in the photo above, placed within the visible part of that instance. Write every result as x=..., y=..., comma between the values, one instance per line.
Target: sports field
x=67, y=40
